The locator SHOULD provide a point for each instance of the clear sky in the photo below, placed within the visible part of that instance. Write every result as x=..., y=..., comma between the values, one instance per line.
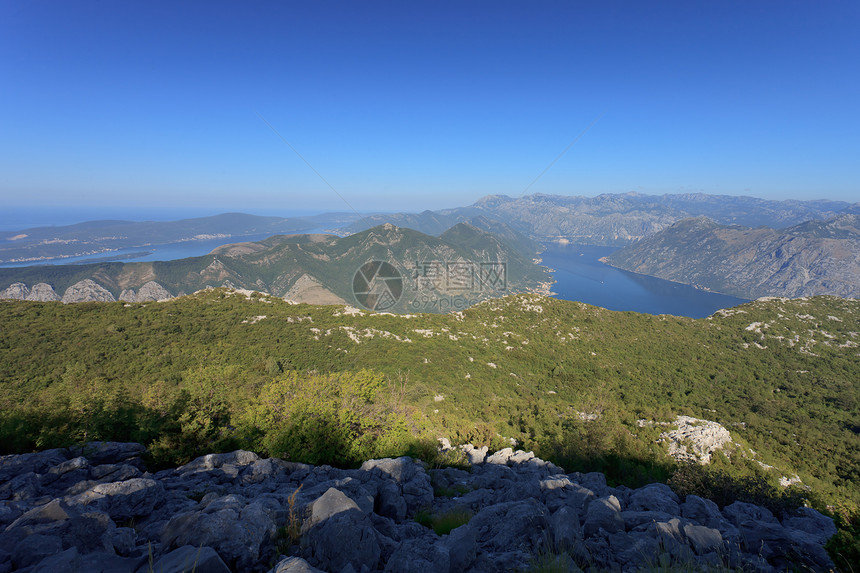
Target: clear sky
x=424, y=105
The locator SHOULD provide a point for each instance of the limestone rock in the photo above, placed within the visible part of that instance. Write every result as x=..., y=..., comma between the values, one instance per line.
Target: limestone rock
x=512, y=524
x=654, y=497
x=123, y=500
x=603, y=513
x=294, y=565
x=695, y=440
x=87, y=290
x=71, y=509
x=43, y=292
x=152, y=291
x=190, y=558
x=15, y=291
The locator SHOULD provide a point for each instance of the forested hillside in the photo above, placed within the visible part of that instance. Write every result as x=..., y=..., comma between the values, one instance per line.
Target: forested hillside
x=222, y=369
x=463, y=265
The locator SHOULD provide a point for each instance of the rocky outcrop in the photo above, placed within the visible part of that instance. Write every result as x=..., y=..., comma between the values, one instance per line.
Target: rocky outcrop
x=41, y=292
x=694, y=440
x=87, y=290
x=96, y=508
x=149, y=292
x=15, y=291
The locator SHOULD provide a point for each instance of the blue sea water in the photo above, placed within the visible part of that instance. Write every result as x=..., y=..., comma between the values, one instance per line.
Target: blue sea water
x=582, y=277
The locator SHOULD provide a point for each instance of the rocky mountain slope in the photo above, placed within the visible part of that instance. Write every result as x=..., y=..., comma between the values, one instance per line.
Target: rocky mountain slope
x=815, y=257
x=463, y=265
x=96, y=508
x=614, y=219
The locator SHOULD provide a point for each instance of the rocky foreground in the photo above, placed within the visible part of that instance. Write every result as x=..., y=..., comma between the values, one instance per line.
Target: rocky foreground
x=96, y=508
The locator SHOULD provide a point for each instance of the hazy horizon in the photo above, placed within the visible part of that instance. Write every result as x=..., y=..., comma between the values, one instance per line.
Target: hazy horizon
x=404, y=107
x=22, y=217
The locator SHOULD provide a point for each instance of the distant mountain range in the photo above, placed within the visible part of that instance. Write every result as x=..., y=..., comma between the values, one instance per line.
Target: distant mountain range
x=612, y=219
x=424, y=273
x=742, y=249
x=814, y=257
x=94, y=237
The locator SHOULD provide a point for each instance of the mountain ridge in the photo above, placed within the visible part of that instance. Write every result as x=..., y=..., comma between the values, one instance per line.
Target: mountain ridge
x=327, y=262
x=812, y=258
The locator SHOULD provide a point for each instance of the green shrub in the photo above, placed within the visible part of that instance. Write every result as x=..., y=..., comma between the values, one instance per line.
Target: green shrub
x=723, y=489
x=444, y=523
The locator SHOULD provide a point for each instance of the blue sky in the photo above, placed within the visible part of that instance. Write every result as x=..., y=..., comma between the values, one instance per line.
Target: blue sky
x=417, y=105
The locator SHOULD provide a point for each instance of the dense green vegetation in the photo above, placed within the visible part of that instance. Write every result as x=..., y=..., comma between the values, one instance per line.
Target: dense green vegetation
x=220, y=370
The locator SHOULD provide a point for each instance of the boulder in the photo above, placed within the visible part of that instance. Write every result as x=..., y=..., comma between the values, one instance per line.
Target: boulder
x=123, y=500
x=462, y=546
x=511, y=525
x=630, y=549
x=703, y=511
x=98, y=453
x=654, y=497
x=603, y=513
x=332, y=502
x=37, y=463
x=411, y=480
x=89, y=532
x=216, y=461
x=294, y=565
x=72, y=560
x=703, y=539
x=565, y=528
x=594, y=481
x=475, y=455
x=240, y=535
x=189, y=558
x=44, y=517
x=502, y=457
x=33, y=548
x=418, y=556
x=812, y=522
x=347, y=538
x=741, y=512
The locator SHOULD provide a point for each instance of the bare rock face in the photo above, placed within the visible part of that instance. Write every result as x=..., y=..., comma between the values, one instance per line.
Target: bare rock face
x=128, y=295
x=87, y=290
x=152, y=291
x=43, y=292
x=309, y=290
x=814, y=258
x=15, y=291
x=695, y=440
